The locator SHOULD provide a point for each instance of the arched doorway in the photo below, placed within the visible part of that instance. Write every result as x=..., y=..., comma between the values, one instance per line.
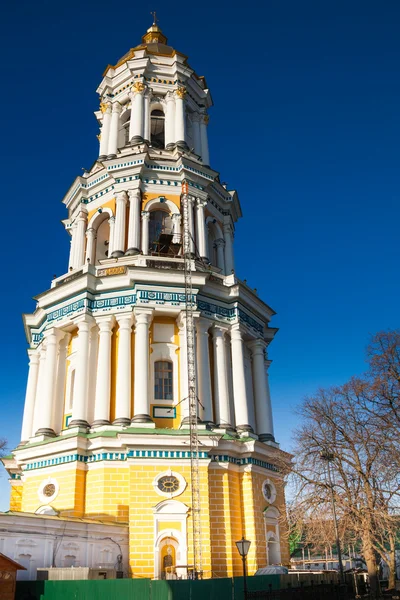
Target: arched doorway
x=168, y=549
x=274, y=551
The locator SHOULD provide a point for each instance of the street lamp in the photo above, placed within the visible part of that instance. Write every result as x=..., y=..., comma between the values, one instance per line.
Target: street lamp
x=329, y=457
x=243, y=547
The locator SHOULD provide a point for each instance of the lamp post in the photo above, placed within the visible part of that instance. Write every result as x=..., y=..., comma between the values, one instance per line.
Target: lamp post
x=243, y=547
x=329, y=457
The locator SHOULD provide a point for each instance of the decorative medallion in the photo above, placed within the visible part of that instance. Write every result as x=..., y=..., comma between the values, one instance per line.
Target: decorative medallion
x=48, y=490
x=269, y=491
x=169, y=484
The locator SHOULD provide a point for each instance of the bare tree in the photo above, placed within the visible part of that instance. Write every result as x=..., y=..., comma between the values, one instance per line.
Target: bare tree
x=343, y=423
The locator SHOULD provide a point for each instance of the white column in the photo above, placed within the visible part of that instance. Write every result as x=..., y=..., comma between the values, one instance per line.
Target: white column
x=134, y=222
x=220, y=245
x=146, y=123
x=80, y=233
x=177, y=220
x=58, y=405
x=79, y=409
x=201, y=228
x=91, y=235
x=191, y=201
x=120, y=221
x=111, y=222
x=204, y=373
x=72, y=250
x=29, y=407
x=39, y=388
x=114, y=129
x=141, y=387
x=103, y=379
x=46, y=405
x=183, y=368
x=264, y=423
x=196, y=133
x=180, y=116
x=136, y=125
x=204, y=140
x=169, y=120
x=105, y=108
x=124, y=374
x=242, y=412
x=229, y=262
x=221, y=395
x=145, y=232
x=92, y=368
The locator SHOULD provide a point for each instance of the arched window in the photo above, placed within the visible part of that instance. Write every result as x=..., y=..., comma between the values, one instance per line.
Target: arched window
x=160, y=222
x=102, y=242
x=163, y=380
x=157, y=128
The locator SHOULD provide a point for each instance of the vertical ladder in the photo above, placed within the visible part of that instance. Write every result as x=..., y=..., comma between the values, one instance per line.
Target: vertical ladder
x=193, y=404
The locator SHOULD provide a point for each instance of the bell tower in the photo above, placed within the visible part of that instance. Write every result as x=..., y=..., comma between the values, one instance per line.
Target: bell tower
x=106, y=413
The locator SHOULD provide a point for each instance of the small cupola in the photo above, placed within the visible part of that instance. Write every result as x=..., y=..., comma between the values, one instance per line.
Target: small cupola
x=154, y=35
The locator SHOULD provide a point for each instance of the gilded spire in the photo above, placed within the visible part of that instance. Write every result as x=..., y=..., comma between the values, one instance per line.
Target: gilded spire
x=154, y=35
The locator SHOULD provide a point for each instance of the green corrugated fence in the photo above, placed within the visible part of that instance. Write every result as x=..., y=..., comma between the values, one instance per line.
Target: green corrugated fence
x=143, y=589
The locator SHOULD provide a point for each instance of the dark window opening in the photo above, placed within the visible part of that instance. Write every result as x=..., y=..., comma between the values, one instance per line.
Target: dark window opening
x=163, y=380
x=157, y=129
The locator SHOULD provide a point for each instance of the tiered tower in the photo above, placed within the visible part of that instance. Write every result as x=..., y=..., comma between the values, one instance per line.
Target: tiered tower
x=105, y=427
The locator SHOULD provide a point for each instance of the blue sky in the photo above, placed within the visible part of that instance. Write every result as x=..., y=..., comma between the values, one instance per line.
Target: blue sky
x=305, y=126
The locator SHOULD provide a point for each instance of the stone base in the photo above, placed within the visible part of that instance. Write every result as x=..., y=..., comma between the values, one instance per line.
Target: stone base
x=100, y=423
x=266, y=437
x=46, y=431
x=242, y=428
x=182, y=145
x=102, y=157
x=124, y=421
x=142, y=419
x=78, y=423
x=186, y=422
x=117, y=254
x=132, y=252
x=137, y=139
x=170, y=146
x=110, y=156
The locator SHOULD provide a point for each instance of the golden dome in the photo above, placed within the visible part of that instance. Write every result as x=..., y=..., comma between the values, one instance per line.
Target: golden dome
x=154, y=35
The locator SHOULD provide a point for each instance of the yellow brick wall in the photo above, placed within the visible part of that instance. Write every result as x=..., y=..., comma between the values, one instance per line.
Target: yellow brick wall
x=71, y=496
x=143, y=499
x=16, y=495
x=107, y=493
x=225, y=520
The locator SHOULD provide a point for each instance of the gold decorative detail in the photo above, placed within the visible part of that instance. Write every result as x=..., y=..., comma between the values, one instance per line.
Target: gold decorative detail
x=138, y=87
x=111, y=271
x=181, y=92
x=99, y=137
x=206, y=119
x=103, y=107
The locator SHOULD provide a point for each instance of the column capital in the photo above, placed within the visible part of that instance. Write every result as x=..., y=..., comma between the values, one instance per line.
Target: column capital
x=91, y=232
x=181, y=92
x=124, y=320
x=111, y=220
x=236, y=332
x=53, y=335
x=176, y=217
x=196, y=117
x=202, y=325
x=105, y=107
x=85, y=322
x=105, y=324
x=170, y=97
x=219, y=331
x=228, y=228
x=34, y=356
x=116, y=107
x=145, y=214
x=134, y=194
x=143, y=316
x=138, y=88
x=219, y=242
x=201, y=204
x=82, y=215
x=121, y=197
x=257, y=346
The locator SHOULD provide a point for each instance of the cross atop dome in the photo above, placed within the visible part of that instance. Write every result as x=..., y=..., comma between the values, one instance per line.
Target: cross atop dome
x=154, y=35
